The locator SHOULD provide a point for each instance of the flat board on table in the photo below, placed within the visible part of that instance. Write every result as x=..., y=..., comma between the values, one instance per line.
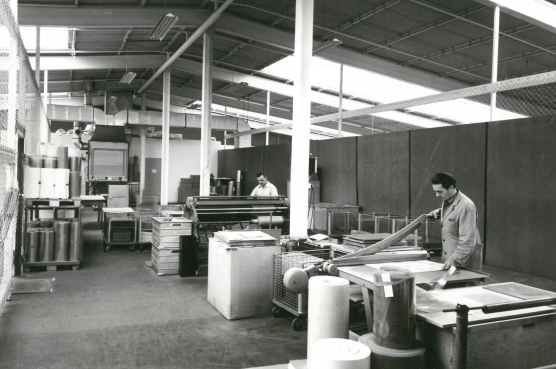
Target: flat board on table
x=520, y=291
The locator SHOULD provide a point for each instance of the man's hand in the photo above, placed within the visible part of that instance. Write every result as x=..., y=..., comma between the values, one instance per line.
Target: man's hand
x=434, y=214
x=449, y=263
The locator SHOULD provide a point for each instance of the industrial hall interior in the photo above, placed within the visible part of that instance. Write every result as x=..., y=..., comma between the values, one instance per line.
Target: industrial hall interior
x=277, y=184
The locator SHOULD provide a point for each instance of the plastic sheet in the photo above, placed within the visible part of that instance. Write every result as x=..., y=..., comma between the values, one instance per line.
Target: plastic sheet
x=61, y=240
x=394, y=317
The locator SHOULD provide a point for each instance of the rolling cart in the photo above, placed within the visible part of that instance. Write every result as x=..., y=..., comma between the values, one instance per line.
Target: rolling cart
x=120, y=229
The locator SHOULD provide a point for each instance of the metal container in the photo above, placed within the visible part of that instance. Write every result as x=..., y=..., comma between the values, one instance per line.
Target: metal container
x=231, y=188
x=49, y=162
x=46, y=244
x=75, y=163
x=32, y=244
x=61, y=241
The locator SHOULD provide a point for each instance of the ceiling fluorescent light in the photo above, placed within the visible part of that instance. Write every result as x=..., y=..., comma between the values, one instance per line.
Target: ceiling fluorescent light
x=128, y=77
x=232, y=87
x=326, y=45
x=163, y=26
x=538, y=12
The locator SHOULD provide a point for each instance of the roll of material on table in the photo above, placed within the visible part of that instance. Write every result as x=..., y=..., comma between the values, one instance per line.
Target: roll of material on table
x=340, y=353
x=49, y=162
x=387, y=358
x=35, y=161
x=74, y=184
x=75, y=163
x=61, y=240
x=32, y=244
x=328, y=310
x=32, y=182
x=263, y=221
x=48, y=181
x=74, y=241
x=394, y=308
x=63, y=160
x=46, y=244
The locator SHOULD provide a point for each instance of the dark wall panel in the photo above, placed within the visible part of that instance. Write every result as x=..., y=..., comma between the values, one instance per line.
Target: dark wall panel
x=338, y=170
x=383, y=172
x=521, y=184
x=249, y=160
x=457, y=150
x=277, y=165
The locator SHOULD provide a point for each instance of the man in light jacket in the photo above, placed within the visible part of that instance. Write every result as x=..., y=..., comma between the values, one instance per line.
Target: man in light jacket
x=461, y=242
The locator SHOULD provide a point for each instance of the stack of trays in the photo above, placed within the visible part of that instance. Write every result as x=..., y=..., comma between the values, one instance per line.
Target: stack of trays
x=167, y=233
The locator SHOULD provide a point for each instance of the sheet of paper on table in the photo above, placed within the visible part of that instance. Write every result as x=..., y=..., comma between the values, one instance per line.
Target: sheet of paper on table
x=415, y=266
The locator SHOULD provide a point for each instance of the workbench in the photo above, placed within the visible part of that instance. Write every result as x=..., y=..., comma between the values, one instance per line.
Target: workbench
x=98, y=200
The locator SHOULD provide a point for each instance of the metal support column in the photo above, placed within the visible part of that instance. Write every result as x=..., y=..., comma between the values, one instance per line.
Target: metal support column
x=165, y=137
x=38, y=58
x=267, y=115
x=301, y=118
x=143, y=134
x=495, y=38
x=206, y=113
x=341, y=99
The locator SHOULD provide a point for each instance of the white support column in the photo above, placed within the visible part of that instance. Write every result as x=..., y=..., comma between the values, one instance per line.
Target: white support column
x=495, y=38
x=165, y=137
x=38, y=58
x=301, y=118
x=14, y=4
x=341, y=97
x=267, y=114
x=143, y=149
x=206, y=114
x=44, y=130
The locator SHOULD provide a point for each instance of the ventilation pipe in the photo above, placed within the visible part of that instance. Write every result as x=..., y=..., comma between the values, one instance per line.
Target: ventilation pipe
x=88, y=87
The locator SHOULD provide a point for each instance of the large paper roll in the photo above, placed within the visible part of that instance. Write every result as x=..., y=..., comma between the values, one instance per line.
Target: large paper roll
x=61, y=240
x=61, y=189
x=35, y=161
x=49, y=162
x=74, y=184
x=32, y=182
x=46, y=244
x=48, y=181
x=328, y=310
x=75, y=163
x=339, y=353
x=75, y=237
x=63, y=160
x=32, y=244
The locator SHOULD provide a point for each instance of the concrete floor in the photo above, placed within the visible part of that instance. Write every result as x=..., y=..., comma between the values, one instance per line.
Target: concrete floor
x=116, y=313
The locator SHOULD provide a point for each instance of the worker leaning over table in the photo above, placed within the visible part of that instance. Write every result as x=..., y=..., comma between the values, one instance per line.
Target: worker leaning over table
x=461, y=241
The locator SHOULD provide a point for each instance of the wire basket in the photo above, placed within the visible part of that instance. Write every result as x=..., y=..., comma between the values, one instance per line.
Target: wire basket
x=120, y=229
x=145, y=224
x=383, y=223
x=343, y=222
x=147, y=202
x=297, y=304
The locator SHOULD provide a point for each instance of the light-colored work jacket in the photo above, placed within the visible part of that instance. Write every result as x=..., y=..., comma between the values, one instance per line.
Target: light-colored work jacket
x=461, y=240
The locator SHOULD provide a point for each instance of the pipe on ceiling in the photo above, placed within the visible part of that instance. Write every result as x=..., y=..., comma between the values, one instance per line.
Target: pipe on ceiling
x=202, y=29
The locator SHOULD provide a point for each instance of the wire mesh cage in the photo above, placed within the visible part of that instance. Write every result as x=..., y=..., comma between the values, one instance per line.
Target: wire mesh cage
x=145, y=225
x=120, y=228
x=428, y=236
x=147, y=202
x=320, y=218
x=296, y=304
x=343, y=222
x=171, y=210
x=383, y=223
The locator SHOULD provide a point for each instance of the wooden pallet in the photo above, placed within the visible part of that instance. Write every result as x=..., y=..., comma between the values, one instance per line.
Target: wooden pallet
x=51, y=266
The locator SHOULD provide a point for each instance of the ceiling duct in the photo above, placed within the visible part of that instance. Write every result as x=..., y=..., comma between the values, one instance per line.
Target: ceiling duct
x=88, y=87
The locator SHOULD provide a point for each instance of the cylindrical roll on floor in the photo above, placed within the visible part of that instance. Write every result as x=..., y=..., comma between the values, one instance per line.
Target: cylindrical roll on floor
x=75, y=163
x=32, y=244
x=74, y=239
x=32, y=182
x=61, y=188
x=35, y=161
x=48, y=180
x=328, y=310
x=49, y=162
x=387, y=358
x=61, y=240
x=394, y=314
x=340, y=353
x=46, y=244
x=74, y=184
x=63, y=159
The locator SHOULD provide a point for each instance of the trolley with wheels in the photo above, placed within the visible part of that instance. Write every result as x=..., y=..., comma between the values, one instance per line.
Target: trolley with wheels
x=120, y=231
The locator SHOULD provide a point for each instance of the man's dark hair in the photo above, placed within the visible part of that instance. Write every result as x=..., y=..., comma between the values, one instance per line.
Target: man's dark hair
x=444, y=179
x=262, y=174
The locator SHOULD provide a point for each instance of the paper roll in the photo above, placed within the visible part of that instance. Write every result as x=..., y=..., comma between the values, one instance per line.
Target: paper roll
x=46, y=244
x=32, y=244
x=74, y=184
x=328, y=310
x=48, y=181
x=32, y=182
x=49, y=162
x=339, y=353
x=61, y=242
x=61, y=189
x=75, y=236
x=75, y=163
x=63, y=160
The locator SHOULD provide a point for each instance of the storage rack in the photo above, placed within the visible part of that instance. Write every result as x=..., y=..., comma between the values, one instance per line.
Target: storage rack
x=32, y=211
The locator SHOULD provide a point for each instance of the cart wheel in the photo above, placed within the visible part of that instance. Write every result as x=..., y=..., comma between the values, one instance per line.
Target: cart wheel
x=276, y=311
x=131, y=247
x=297, y=324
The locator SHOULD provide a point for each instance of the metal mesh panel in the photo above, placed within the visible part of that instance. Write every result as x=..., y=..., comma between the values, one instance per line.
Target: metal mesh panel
x=20, y=110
